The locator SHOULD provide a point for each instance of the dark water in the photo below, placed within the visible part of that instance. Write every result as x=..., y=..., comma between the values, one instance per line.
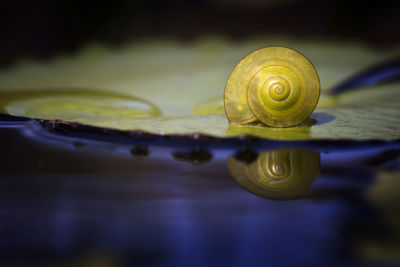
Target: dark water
x=77, y=199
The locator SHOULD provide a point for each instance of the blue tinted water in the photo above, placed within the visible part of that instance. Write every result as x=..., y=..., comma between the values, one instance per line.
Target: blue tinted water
x=71, y=200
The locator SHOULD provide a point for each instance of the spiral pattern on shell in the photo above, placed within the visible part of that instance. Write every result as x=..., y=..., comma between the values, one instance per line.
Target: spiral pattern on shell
x=279, y=85
x=276, y=88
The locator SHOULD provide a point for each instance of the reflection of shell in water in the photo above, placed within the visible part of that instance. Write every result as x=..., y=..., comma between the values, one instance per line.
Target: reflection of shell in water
x=278, y=174
x=275, y=85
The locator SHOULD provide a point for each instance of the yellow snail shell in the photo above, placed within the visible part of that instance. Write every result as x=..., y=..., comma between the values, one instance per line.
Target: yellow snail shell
x=275, y=85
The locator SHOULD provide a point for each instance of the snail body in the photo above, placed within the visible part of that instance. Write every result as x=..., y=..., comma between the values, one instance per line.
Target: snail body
x=275, y=85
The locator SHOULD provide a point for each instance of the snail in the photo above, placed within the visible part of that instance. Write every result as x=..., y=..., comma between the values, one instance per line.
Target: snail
x=285, y=173
x=277, y=86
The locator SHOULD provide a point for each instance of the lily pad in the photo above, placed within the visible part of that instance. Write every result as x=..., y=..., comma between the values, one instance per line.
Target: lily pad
x=164, y=87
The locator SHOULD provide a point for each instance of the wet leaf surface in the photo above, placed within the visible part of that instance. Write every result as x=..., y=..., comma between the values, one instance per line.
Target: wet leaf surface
x=175, y=89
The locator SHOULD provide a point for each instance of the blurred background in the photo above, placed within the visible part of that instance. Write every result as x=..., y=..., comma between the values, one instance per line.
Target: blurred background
x=39, y=29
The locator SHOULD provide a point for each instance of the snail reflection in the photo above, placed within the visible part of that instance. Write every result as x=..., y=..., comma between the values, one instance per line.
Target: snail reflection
x=278, y=174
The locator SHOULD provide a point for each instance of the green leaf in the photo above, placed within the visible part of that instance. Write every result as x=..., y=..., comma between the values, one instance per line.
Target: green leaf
x=169, y=88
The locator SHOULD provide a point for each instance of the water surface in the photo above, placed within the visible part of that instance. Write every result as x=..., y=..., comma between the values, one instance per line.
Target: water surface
x=80, y=199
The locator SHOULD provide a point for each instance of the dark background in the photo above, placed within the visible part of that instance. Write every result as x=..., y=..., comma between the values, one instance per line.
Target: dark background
x=39, y=29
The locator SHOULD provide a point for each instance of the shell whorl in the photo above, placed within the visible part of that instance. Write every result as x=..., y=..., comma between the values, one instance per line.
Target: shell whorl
x=276, y=88
x=280, y=85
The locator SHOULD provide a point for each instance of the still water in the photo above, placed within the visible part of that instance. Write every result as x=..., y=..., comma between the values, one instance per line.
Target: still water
x=74, y=197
